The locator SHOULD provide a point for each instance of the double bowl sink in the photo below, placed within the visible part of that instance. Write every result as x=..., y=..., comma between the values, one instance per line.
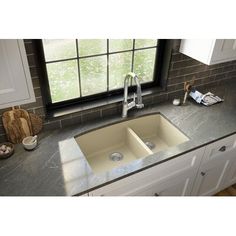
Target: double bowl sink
x=119, y=144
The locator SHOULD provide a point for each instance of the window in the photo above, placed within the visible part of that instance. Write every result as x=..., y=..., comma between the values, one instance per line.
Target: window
x=77, y=70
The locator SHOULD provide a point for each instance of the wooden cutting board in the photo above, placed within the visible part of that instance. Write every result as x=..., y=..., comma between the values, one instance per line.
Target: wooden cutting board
x=37, y=123
x=17, y=125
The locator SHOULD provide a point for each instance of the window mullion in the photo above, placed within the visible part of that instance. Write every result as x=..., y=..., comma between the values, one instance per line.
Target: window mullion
x=108, y=65
x=77, y=51
x=132, y=63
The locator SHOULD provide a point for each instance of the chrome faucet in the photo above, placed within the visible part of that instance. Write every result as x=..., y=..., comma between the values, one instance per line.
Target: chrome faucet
x=126, y=105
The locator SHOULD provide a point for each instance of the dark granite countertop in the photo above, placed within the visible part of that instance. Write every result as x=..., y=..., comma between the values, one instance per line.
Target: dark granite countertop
x=58, y=167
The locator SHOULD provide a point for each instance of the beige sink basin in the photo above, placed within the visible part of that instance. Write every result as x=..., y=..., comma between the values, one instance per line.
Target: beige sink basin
x=119, y=144
x=157, y=130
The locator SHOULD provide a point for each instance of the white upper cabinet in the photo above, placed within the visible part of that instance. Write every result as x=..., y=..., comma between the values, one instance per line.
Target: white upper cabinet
x=209, y=51
x=15, y=80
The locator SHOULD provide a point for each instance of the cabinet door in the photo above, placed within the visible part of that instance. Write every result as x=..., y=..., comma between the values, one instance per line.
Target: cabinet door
x=210, y=178
x=231, y=176
x=224, y=50
x=179, y=185
x=180, y=168
x=209, y=51
x=15, y=80
x=215, y=167
x=223, y=149
x=198, y=49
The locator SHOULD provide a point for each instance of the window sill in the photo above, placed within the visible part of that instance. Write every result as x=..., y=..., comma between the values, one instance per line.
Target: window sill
x=101, y=103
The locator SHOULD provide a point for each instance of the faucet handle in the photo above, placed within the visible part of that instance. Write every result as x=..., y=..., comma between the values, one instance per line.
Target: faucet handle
x=134, y=97
x=138, y=105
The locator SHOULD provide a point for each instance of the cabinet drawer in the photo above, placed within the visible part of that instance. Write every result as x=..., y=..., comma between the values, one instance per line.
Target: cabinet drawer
x=220, y=149
x=165, y=170
x=178, y=185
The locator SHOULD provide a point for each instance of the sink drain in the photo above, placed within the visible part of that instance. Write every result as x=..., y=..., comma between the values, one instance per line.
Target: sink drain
x=116, y=156
x=150, y=145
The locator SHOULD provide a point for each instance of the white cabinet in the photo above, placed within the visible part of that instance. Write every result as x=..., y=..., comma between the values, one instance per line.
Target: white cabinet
x=177, y=185
x=203, y=172
x=15, y=80
x=231, y=175
x=210, y=178
x=217, y=170
x=209, y=51
x=171, y=178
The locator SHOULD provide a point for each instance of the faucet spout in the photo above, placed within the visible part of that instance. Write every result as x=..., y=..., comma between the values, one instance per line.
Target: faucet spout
x=139, y=93
x=127, y=106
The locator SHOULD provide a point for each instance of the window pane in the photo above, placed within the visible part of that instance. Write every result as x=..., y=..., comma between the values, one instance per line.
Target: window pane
x=57, y=49
x=119, y=66
x=63, y=80
x=120, y=44
x=93, y=73
x=88, y=47
x=144, y=62
x=142, y=43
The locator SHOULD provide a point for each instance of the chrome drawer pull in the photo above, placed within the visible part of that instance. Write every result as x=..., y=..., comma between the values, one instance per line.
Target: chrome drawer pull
x=222, y=149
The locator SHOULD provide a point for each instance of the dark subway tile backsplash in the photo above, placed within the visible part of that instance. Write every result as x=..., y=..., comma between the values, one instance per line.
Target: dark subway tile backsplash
x=182, y=68
x=71, y=121
x=159, y=98
x=52, y=125
x=111, y=111
x=91, y=115
x=29, y=46
x=38, y=103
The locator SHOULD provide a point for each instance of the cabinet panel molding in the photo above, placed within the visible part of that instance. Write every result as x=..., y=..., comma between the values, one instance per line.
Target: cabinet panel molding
x=179, y=185
x=15, y=80
x=210, y=178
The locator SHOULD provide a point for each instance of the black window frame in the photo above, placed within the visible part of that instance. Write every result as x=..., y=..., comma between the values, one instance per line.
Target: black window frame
x=157, y=77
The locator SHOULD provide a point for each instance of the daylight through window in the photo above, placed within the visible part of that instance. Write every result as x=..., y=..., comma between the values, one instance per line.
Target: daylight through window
x=84, y=67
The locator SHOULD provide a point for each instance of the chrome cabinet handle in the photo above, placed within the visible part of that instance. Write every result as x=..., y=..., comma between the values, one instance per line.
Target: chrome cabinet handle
x=222, y=149
x=203, y=173
x=156, y=195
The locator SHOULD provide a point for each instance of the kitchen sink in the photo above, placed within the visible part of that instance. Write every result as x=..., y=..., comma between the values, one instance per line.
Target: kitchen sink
x=158, y=132
x=116, y=145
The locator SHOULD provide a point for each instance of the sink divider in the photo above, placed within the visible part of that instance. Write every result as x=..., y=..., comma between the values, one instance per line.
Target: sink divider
x=136, y=143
